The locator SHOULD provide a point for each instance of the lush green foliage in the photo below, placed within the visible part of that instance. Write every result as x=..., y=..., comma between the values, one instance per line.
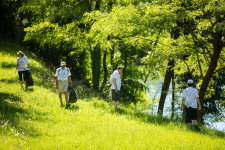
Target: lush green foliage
x=95, y=37
x=33, y=119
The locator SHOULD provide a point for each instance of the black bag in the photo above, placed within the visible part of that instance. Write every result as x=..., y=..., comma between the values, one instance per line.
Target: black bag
x=29, y=81
x=72, y=95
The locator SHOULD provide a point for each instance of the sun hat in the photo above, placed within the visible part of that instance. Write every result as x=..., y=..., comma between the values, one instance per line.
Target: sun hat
x=63, y=63
x=190, y=81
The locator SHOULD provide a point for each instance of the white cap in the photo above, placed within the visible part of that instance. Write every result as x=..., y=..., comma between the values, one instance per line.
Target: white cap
x=63, y=63
x=190, y=81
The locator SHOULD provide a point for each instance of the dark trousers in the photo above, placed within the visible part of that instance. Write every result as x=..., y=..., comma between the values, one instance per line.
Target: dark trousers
x=23, y=75
x=115, y=95
x=191, y=114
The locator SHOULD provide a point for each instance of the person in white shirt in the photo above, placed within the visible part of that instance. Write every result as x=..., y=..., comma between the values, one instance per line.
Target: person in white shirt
x=22, y=65
x=63, y=75
x=191, y=102
x=115, y=80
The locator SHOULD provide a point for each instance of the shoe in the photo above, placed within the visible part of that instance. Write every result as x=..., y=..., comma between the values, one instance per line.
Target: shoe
x=67, y=106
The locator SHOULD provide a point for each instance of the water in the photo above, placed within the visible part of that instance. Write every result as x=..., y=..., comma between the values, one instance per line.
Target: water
x=154, y=93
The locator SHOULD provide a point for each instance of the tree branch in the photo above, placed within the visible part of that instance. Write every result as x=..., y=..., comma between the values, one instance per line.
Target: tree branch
x=200, y=67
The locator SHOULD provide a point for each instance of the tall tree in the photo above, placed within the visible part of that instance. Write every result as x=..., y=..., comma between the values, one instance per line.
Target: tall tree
x=165, y=85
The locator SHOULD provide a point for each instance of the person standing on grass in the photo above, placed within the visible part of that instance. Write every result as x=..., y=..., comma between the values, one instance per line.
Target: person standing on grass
x=22, y=66
x=191, y=102
x=63, y=76
x=116, y=85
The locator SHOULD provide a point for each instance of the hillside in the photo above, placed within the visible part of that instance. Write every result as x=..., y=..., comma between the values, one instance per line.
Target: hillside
x=34, y=120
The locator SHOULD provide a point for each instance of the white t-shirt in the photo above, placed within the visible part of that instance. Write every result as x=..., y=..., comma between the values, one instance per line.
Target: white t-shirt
x=22, y=63
x=190, y=94
x=116, y=76
x=63, y=74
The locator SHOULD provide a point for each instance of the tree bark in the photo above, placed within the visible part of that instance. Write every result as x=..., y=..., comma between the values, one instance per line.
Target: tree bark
x=96, y=67
x=173, y=93
x=217, y=48
x=105, y=71
x=98, y=5
x=112, y=59
x=110, y=5
x=165, y=86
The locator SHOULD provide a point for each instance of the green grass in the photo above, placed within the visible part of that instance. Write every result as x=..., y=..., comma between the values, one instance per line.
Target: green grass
x=34, y=120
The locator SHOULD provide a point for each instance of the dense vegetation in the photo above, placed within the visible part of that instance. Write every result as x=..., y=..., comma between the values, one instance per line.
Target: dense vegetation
x=34, y=120
x=173, y=39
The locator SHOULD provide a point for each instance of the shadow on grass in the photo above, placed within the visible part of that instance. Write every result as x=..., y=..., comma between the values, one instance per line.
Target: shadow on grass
x=9, y=81
x=8, y=47
x=12, y=113
x=6, y=65
x=73, y=108
x=29, y=89
x=7, y=96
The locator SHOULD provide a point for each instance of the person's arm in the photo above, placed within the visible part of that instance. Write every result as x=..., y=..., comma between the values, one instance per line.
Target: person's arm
x=56, y=79
x=69, y=77
x=182, y=103
x=183, y=98
x=17, y=65
x=198, y=100
x=198, y=103
x=70, y=80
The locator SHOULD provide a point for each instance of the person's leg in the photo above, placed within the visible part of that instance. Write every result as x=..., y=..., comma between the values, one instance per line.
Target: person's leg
x=60, y=91
x=116, y=99
x=193, y=115
x=65, y=88
x=66, y=97
x=188, y=117
x=116, y=103
x=60, y=98
x=67, y=101
x=194, y=119
x=20, y=73
x=25, y=78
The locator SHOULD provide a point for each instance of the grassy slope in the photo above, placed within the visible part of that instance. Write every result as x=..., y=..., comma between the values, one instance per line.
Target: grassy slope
x=34, y=119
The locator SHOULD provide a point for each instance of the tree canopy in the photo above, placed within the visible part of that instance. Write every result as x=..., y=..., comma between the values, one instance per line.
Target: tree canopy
x=174, y=39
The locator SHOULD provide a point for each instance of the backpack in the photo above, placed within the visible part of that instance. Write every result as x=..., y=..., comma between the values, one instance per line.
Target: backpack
x=66, y=69
x=29, y=79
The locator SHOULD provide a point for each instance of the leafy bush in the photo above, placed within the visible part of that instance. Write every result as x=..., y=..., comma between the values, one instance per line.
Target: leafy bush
x=132, y=91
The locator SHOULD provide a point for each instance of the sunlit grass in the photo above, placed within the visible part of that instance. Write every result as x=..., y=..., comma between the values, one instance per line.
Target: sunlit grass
x=34, y=120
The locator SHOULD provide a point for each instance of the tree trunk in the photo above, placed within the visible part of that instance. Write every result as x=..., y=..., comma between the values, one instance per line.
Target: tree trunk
x=165, y=86
x=96, y=67
x=125, y=65
x=173, y=93
x=217, y=48
x=98, y=5
x=105, y=71
x=110, y=5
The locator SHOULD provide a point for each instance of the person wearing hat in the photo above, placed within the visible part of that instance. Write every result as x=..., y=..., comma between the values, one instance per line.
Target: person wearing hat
x=63, y=76
x=191, y=102
x=22, y=68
